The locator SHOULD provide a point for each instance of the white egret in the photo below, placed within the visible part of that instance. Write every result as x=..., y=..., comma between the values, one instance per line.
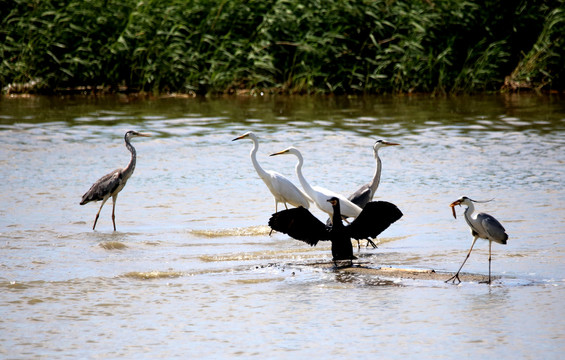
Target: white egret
x=282, y=188
x=318, y=194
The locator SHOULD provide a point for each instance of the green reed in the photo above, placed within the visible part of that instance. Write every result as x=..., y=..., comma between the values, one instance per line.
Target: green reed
x=289, y=46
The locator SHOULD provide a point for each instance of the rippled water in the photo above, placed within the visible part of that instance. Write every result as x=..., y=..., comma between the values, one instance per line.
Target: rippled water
x=192, y=272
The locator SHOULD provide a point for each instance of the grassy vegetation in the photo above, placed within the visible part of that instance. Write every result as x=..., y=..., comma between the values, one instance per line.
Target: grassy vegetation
x=290, y=46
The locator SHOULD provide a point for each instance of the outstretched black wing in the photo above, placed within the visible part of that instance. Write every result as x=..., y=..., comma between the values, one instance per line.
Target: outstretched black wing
x=300, y=224
x=374, y=219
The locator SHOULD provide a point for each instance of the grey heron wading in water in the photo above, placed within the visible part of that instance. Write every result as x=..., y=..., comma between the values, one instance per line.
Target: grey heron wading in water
x=283, y=190
x=483, y=226
x=111, y=184
x=366, y=192
x=318, y=194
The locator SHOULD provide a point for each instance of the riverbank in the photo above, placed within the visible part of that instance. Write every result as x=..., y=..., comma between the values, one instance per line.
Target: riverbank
x=291, y=47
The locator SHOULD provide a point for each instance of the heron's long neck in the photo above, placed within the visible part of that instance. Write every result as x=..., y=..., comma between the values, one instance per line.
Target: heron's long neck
x=469, y=213
x=307, y=188
x=374, y=184
x=253, y=154
x=128, y=170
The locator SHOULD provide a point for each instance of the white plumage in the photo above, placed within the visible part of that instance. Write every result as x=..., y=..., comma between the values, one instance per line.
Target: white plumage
x=318, y=194
x=283, y=190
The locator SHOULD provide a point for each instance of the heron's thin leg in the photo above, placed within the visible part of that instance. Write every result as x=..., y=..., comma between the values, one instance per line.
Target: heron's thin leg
x=456, y=276
x=286, y=207
x=114, y=198
x=98, y=213
x=369, y=241
x=489, y=258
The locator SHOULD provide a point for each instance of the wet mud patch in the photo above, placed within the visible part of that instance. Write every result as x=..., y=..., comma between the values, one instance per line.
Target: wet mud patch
x=394, y=274
x=150, y=275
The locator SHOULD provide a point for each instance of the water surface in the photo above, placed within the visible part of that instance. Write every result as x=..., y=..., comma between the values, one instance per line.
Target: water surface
x=192, y=271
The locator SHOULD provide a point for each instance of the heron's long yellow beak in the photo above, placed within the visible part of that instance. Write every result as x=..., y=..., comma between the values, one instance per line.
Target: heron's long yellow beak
x=240, y=137
x=389, y=143
x=279, y=153
x=143, y=134
x=452, y=206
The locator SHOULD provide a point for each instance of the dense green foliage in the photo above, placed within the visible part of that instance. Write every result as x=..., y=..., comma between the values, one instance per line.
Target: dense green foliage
x=313, y=46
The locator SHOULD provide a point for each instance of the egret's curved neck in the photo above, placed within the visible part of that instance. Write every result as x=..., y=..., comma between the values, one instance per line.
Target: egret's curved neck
x=374, y=184
x=128, y=170
x=253, y=154
x=307, y=188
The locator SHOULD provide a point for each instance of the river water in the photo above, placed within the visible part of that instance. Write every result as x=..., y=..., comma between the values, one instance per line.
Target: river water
x=192, y=271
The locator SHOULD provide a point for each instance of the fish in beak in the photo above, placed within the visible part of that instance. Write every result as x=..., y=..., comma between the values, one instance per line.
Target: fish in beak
x=452, y=206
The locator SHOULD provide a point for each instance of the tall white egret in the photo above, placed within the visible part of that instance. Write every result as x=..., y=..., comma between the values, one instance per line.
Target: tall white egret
x=300, y=224
x=483, y=226
x=111, y=184
x=282, y=188
x=319, y=194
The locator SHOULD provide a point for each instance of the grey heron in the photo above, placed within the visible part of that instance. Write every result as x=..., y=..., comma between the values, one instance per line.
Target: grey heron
x=318, y=194
x=111, y=184
x=300, y=224
x=483, y=226
x=282, y=188
x=366, y=192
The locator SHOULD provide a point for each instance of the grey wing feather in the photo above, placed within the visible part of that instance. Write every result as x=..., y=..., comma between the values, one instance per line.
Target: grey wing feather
x=494, y=229
x=102, y=188
x=362, y=196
